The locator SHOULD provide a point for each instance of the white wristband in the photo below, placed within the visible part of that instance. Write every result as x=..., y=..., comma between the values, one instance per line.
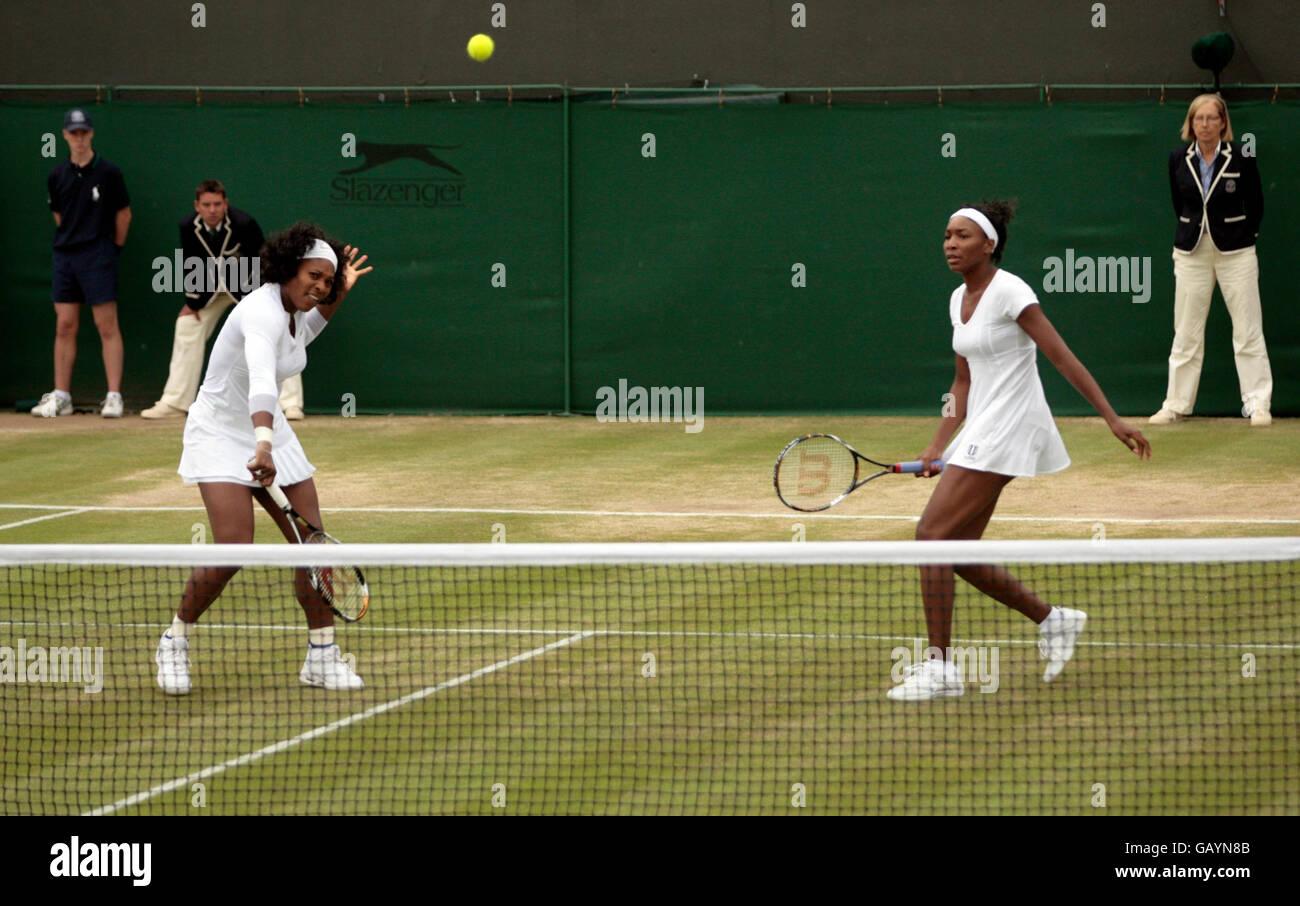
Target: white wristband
x=264, y=434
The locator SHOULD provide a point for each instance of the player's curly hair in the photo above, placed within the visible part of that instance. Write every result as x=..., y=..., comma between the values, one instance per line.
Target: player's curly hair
x=999, y=212
x=283, y=251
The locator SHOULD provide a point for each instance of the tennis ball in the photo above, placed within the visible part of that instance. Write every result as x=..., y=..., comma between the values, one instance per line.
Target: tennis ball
x=480, y=47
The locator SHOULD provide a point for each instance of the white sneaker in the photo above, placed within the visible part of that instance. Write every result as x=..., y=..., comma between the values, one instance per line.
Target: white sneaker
x=325, y=668
x=173, y=660
x=1261, y=418
x=1166, y=417
x=162, y=410
x=927, y=680
x=52, y=405
x=1058, y=633
x=294, y=414
x=111, y=407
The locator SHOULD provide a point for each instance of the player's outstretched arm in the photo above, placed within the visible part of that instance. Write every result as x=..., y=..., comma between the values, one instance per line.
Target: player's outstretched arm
x=1033, y=322
x=350, y=270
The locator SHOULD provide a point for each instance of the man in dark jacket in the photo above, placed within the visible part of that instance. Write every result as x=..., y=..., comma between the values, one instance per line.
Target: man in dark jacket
x=219, y=249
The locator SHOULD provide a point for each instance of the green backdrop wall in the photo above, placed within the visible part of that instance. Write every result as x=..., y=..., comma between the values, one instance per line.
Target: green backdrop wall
x=666, y=270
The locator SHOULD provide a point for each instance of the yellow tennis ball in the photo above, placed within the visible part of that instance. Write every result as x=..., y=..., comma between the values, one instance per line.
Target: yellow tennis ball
x=480, y=47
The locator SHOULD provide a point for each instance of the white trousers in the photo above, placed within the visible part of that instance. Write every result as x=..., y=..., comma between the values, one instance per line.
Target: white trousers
x=188, y=346
x=1237, y=274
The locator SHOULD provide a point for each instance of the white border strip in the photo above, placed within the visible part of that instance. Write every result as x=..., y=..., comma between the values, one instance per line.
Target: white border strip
x=871, y=517
x=286, y=744
x=656, y=633
x=1127, y=550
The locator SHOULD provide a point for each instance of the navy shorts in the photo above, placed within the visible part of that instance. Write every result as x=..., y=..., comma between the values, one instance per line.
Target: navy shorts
x=87, y=274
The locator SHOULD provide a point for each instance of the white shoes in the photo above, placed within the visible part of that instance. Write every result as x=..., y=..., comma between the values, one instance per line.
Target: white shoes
x=927, y=680
x=162, y=410
x=294, y=414
x=51, y=405
x=112, y=406
x=173, y=660
x=325, y=668
x=1259, y=415
x=1057, y=635
x=1166, y=417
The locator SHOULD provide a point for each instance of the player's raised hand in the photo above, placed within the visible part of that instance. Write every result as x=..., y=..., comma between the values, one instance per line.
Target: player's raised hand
x=352, y=269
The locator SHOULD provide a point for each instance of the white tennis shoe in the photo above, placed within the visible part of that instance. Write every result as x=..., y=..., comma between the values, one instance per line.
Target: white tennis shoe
x=111, y=407
x=1057, y=635
x=173, y=660
x=326, y=668
x=51, y=405
x=927, y=680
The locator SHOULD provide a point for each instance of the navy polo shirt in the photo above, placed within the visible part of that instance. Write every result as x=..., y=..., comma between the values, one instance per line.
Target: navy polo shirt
x=87, y=199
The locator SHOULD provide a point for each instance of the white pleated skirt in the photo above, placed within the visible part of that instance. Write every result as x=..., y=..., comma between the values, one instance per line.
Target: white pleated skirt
x=218, y=448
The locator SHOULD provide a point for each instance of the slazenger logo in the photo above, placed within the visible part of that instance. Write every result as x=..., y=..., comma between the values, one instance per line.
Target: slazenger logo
x=427, y=192
x=103, y=860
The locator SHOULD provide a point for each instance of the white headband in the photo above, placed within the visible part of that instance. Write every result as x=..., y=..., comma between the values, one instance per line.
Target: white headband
x=983, y=222
x=320, y=249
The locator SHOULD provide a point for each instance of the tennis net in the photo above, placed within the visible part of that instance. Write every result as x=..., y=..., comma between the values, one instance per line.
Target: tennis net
x=656, y=678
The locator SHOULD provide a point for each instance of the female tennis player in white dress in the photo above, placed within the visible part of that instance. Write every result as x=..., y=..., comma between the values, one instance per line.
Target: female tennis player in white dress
x=238, y=442
x=997, y=329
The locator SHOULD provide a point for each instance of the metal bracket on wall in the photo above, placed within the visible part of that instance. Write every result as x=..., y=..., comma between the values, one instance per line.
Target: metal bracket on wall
x=940, y=95
x=198, y=96
x=302, y=98
x=1048, y=89
x=1162, y=95
x=1274, y=101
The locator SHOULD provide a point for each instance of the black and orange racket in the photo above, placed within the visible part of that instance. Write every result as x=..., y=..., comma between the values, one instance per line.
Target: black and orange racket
x=817, y=471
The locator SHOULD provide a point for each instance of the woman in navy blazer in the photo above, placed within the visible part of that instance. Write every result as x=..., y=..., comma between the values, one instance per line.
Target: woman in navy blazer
x=1219, y=201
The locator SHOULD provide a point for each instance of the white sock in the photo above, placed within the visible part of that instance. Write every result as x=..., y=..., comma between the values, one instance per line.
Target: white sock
x=111, y=394
x=63, y=395
x=321, y=638
x=1051, y=619
x=180, y=629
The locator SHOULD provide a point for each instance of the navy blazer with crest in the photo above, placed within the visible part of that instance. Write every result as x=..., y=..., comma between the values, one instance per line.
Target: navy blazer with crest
x=236, y=236
x=1234, y=206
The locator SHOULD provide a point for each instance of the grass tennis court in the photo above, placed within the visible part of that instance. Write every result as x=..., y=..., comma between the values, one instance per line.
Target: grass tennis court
x=763, y=680
x=1212, y=477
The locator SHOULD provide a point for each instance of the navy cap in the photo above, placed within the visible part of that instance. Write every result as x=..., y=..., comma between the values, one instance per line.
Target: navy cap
x=75, y=120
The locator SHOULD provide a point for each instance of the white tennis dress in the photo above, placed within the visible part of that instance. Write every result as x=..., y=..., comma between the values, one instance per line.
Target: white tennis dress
x=253, y=355
x=1009, y=428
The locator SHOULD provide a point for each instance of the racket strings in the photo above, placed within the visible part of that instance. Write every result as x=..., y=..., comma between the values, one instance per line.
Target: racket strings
x=816, y=472
x=343, y=588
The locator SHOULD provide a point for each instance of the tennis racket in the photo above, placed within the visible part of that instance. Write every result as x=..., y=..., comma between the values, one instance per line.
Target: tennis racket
x=817, y=471
x=343, y=588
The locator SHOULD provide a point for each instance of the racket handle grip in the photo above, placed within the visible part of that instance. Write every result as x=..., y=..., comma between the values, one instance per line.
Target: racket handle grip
x=916, y=466
x=278, y=496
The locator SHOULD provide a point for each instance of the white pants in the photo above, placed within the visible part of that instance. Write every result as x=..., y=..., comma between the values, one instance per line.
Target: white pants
x=188, y=346
x=1237, y=274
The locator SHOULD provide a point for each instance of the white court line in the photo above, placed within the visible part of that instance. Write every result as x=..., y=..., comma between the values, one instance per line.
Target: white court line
x=648, y=633
x=43, y=518
x=286, y=744
x=682, y=515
